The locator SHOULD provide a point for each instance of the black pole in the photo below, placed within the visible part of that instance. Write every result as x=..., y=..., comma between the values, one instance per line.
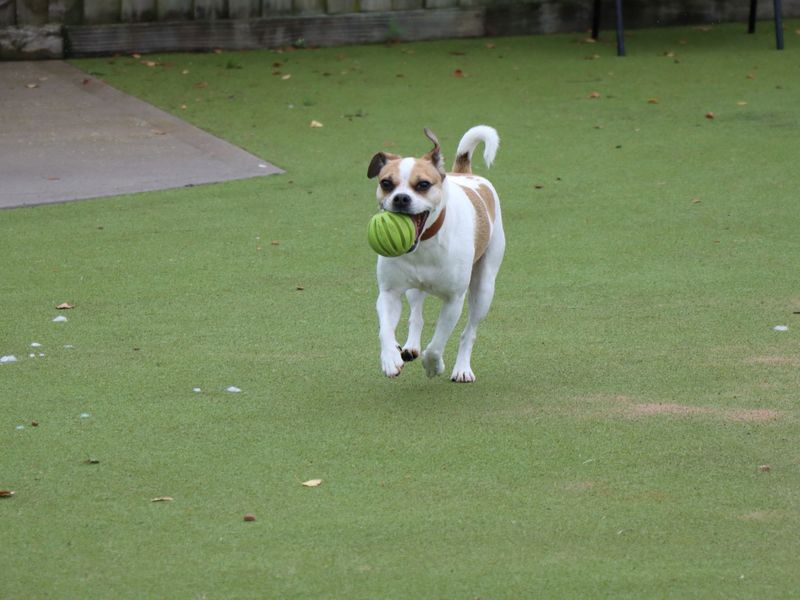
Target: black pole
x=596, y=20
x=621, y=31
x=778, y=25
x=751, y=24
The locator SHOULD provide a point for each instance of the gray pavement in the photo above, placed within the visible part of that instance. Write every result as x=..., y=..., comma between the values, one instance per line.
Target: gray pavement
x=67, y=136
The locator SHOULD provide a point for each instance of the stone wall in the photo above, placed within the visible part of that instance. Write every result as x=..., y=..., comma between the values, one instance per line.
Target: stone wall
x=54, y=28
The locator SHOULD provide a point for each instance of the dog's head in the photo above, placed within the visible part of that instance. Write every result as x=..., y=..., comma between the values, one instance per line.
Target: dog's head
x=413, y=186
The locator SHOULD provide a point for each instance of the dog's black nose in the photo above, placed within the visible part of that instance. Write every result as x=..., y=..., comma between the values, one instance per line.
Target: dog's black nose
x=402, y=201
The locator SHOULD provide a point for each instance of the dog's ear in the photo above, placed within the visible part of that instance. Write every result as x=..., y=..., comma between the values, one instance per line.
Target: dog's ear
x=377, y=163
x=435, y=155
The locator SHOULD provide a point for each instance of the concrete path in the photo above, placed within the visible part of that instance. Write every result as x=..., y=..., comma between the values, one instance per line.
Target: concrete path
x=66, y=136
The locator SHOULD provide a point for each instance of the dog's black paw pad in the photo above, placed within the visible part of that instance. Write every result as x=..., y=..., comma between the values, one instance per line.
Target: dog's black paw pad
x=408, y=355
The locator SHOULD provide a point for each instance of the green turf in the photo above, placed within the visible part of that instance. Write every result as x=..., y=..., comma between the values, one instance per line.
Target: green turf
x=651, y=252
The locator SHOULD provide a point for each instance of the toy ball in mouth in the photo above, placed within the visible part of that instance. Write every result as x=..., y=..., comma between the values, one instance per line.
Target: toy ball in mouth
x=391, y=234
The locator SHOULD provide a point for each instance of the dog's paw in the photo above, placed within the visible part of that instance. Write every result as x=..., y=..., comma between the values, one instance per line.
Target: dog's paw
x=392, y=363
x=433, y=363
x=409, y=354
x=463, y=375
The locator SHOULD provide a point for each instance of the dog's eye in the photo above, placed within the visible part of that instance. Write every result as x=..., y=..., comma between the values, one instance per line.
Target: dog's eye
x=387, y=185
x=422, y=186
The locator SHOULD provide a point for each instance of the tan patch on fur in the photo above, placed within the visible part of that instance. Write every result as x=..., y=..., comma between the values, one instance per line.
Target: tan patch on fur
x=424, y=170
x=463, y=166
x=484, y=204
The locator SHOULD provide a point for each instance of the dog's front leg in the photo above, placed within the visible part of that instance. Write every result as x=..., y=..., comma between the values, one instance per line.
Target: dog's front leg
x=448, y=318
x=389, y=307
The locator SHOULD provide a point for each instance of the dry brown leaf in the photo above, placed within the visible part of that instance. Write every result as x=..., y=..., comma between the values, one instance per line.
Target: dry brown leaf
x=316, y=124
x=652, y=100
x=458, y=73
x=249, y=517
x=149, y=63
x=594, y=95
x=313, y=483
x=275, y=242
x=136, y=55
x=201, y=84
x=750, y=76
x=184, y=107
x=696, y=200
x=161, y=499
x=7, y=493
x=490, y=45
x=764, y=468
x=709, y=115
x=65, y=306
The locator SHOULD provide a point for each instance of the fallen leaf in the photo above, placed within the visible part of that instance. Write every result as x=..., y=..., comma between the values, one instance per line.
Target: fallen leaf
x=86, y=81
x=7, y=493
x=275, y=242
x=709, y=115
x=594, y=95
x=538, y=186
x=764, y=468
x=287, y=76
x=249, y=517
x=162, y=499
x=592, y=57
x=457, y=53
x=750, y=76
x=669, y=54
x=158, y=132
x=696, y=200
x=34, y=423
x=184, y=107
x=741, y=103
x=201, y=84
x=94, y=461
x=491, y=45
x=31, y=86
x=589, y=40
x=149, y=63
x=300, y=288
x=316, y=124
x=54, y=179
x=65, y=306
x=185, y=72
x=313, y=483
x=136, y=56
x=458, y=73
x=652, y=100
x=217, y=50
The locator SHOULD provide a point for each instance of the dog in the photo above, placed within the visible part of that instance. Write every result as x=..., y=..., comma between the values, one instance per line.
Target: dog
x=458, y=248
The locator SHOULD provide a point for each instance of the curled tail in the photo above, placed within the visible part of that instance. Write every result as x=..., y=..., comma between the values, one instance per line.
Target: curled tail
x=473, y=137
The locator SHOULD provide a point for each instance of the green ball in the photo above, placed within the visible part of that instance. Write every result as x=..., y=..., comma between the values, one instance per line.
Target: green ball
x=391, y=234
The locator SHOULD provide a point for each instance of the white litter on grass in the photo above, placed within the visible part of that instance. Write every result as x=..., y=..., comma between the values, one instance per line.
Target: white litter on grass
x=233, y=389
x=59, y=319
x=68, y=346
x=262, y=166
x=41, y=353
x=35, y=345
x=20, y=427
x=196, y=390
x=85, y=415
x=8, y=359
x=781, y=328
x=31, y=355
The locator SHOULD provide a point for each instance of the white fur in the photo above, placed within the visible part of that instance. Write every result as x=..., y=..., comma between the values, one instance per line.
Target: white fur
x=476, y=135
x=443, y=266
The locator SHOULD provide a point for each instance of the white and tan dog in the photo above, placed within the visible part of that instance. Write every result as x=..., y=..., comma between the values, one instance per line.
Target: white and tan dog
x=459, y=247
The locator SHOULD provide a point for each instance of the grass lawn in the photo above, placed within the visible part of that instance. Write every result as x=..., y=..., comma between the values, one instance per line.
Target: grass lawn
x=633, y=432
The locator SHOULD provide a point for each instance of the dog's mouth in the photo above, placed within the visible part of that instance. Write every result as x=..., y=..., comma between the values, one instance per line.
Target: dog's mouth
x=419, y=223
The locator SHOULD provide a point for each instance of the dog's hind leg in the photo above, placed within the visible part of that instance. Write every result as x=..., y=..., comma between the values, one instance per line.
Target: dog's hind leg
x=411, y=349
x=481, y=292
